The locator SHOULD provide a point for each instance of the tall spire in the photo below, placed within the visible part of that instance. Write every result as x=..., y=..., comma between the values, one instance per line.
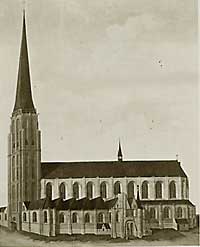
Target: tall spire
x=24, y=101
x=120, y=155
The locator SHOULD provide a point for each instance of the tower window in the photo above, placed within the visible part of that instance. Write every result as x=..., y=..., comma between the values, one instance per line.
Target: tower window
x=187, y=189
x=33, y=170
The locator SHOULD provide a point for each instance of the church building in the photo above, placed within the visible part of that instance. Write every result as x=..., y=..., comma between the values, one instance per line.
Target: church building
x=116, y=198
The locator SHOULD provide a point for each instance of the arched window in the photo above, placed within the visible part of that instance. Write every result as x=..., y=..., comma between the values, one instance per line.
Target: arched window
x=62, y=191
x=34, y=217
x=61, y=218
x=103, y=190
x=179, y=212
x=158, y=188
x=90, y=190
x=87, y=218
x=183, y=189
x=117, y=216
x=49, y=190
x=166, y=213
x=130, y=189
x=17, y=130
x=100, y=218
x=187, y=189
x=76, y=191
x=152, y=213
x=145, y=190
x=74, y=218
x=24, y=217
x=172, y=189
x=45, y=216
x=117, y=188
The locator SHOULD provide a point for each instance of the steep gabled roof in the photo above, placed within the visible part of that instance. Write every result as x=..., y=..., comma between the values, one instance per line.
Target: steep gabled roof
x=182, y=221
x=2, y=209
x=91, y=169
x=71, y=204
x=167, y=202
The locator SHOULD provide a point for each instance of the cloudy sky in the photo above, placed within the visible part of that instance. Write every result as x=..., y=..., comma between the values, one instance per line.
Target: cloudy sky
x=104, y=70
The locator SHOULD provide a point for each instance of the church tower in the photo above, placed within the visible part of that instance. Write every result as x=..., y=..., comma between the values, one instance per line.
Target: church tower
x=24, y=145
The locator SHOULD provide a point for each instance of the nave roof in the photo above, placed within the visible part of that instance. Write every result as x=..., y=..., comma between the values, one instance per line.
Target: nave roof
x=148, y=168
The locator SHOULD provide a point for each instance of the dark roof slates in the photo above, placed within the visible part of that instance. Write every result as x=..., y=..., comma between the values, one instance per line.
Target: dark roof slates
x=91, y=169
x=72, y=204
x=171, y=201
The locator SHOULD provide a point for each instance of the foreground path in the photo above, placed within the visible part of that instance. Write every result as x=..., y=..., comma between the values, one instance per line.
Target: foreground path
x=15, y=239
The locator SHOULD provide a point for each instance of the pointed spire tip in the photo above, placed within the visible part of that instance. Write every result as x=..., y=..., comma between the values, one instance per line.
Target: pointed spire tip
x=120, y=155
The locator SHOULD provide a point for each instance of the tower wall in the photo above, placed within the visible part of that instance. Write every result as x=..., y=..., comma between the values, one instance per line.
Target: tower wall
x=24, y=161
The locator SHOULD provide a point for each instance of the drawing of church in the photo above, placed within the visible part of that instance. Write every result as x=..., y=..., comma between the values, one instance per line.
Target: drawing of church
x=116, y=198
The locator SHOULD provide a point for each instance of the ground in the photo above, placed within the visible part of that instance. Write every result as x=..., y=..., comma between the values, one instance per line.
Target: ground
x=159, y=238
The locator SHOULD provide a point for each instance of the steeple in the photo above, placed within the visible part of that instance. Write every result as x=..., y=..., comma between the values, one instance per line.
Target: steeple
x=120, y=155
x=24, y=101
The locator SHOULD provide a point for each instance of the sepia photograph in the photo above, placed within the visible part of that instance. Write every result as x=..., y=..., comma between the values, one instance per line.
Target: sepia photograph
x=99, y=123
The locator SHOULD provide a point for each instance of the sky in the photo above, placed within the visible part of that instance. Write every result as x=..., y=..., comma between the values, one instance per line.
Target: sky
x=104, y=70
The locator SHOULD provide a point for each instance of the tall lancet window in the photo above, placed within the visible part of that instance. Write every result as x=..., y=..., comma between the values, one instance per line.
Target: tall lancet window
x=145, y=192
x=187, y=189
x=13, y=168
x=158, y=188
x=62, y=191
x=32, y=132
x=172, y=189
x=76, y=190
x=130, y=189
x=117, y=188
x=17, y=130
x=13, y=133
x=103, y=190
x=90, y=190
x=49, y=191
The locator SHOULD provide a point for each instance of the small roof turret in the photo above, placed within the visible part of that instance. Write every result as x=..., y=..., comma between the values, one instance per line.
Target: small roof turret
x=120, y=155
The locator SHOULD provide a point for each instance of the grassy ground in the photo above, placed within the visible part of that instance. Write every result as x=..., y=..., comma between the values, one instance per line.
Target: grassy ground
x=159, y=238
